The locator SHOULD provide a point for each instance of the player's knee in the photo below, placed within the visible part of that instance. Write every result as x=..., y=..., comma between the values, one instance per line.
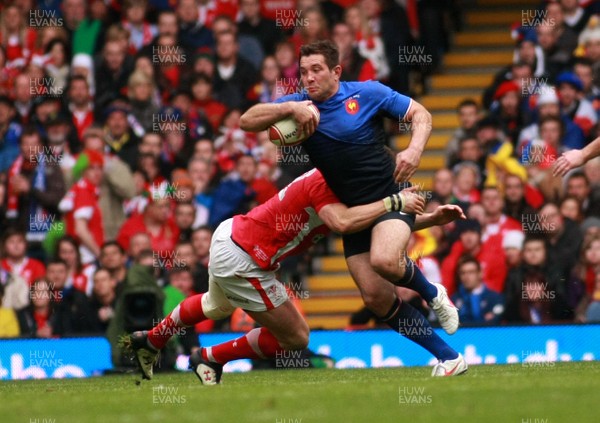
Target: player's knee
x=386, y=265
x=214, y=309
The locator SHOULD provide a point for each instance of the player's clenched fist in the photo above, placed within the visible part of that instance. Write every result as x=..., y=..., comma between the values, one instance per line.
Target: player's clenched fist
x=407, y=162
x=305, y=118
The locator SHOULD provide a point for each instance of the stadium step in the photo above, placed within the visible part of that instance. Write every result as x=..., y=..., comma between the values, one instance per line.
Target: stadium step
x=436, y=141
x=336, y=245
x=479, y=58
x=493, y=18
x=332, y=305
x=481, y=39
x=445, y=120
x=478, y=52
x=328, y=322
x=442, y=101
x=469, y=82
x=331, y=264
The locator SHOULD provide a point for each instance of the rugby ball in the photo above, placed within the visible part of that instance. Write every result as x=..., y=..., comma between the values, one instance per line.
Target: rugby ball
x=287, y=131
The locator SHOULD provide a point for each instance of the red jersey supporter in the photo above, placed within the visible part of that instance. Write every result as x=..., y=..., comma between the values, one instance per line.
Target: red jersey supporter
x=78, y=275
x=82, y=210
x=80, y=104
x=15, y=260
x=141, y=32
x=17, y=39
x=156, y=221
x=205, y=103
x=469, y=242
x=354, y=66
x=493, y=233
x=280, y=11
x=209, y=10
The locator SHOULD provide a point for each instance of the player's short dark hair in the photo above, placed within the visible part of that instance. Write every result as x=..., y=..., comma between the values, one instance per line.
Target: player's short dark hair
x=324, y=47
x=467, y=102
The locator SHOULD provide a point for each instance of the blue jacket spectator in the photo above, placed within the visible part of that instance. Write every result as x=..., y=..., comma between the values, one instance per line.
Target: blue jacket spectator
x=10, y=132
x=475, y=302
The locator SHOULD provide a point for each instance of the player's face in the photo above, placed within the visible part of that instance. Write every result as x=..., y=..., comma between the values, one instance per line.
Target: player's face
x=320, y=81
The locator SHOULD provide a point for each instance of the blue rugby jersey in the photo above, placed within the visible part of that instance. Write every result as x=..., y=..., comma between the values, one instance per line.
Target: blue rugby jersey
x=348, y=145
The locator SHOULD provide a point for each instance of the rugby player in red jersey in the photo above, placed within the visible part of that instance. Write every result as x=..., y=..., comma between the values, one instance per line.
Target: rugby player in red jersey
x=244, y=255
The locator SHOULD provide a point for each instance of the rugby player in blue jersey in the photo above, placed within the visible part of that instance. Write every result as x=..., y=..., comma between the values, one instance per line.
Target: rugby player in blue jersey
x=348, y=147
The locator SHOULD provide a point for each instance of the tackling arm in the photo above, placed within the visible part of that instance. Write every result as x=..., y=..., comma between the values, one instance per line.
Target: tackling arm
x=339, y=218
x=342, y=219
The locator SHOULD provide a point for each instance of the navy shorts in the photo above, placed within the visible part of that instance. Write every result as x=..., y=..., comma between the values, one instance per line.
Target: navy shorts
x=360, y=242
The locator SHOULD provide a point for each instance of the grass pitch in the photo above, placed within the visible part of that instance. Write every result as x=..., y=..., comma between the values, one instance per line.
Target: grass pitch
x=547, y=392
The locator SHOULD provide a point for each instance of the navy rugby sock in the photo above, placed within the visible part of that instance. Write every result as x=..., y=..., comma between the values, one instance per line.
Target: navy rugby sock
x=410, y=323
x=414, y=279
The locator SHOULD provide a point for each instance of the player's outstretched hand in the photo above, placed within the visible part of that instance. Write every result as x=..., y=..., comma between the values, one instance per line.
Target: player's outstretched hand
x=407, y=162
x=567, y=161
x=447, y=213
x=412, y=202
x=305, y=118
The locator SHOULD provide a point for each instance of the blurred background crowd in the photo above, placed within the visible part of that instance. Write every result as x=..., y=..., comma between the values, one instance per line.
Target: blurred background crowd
x=120, y=147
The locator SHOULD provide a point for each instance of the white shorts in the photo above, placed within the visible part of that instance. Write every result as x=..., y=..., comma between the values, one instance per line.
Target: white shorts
x=242, y=281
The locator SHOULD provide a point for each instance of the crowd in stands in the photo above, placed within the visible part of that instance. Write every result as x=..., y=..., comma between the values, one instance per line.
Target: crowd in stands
x=120, y=146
